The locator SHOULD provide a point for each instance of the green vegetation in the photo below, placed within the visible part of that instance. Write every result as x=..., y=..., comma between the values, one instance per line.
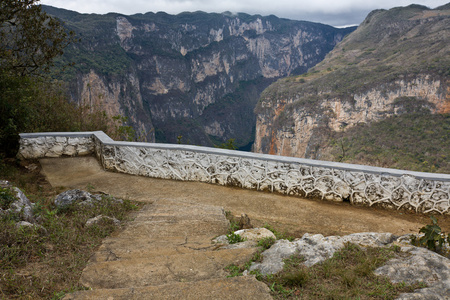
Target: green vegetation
x=266, y=242
x=415, y=141
x=229, y=144
x=46, y=264
x=29, y=38
x=433, y=238
x=31, y=101
x=234, y=238
x=7, y=197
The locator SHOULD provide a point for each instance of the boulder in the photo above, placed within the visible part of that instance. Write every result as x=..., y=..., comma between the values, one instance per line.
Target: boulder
x=21, y=207
x=255, y=234
x=70, y=197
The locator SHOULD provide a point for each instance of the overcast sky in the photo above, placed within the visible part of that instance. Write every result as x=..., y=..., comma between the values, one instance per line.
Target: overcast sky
x=332, y=12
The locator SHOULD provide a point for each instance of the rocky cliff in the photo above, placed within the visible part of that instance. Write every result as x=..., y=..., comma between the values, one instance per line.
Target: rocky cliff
x=194, y=75
x=395, y=63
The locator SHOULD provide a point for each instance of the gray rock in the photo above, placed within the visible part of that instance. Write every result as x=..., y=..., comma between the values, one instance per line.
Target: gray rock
x=251, y=237
x=99, y=218
x=273, y=257
x=80, y=197
x=21, y=206
x=72, y=196
x=241, y=245
x=40, y=228
x=314, y=248
x=423, y=264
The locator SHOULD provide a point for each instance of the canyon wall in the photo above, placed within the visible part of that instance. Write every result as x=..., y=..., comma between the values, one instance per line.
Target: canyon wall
x=196, y=76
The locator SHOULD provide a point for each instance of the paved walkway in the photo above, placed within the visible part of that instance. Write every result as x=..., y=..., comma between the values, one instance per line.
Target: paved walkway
x=166, y=253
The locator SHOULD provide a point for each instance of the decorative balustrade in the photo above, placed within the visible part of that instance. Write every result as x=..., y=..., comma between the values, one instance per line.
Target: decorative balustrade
x=358, y=184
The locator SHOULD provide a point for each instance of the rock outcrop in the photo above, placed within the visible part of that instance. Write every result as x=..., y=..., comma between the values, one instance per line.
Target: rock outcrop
x=421, y=265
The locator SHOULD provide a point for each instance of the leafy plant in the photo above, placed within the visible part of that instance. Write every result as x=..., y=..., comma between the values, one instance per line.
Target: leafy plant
x=234, y=270
x=234, y=238
x=433, y=238
x=6, y=197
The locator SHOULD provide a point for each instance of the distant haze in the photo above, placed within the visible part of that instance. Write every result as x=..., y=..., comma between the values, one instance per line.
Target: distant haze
x=337, y=13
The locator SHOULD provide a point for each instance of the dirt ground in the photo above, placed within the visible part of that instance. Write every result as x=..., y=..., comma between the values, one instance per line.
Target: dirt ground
x=293, y=215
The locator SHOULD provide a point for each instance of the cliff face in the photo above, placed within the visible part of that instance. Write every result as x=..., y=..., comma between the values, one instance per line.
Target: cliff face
x=395, y=63
x=116, y=97
x=194, y=75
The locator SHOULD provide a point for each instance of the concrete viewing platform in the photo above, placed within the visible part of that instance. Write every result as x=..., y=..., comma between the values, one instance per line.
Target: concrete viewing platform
x=166, y=251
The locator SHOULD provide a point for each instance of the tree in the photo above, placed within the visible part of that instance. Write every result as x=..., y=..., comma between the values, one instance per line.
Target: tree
x=29, y=41
x=29, y=38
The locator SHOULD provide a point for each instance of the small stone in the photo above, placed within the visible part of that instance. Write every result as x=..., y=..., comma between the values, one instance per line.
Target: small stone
x=99, y=218
x=71, y=196
x=244, y=222
x=255, y=234
x=40, y=228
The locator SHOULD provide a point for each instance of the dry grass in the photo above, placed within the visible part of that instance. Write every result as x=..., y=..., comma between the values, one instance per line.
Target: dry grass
x=46, y=265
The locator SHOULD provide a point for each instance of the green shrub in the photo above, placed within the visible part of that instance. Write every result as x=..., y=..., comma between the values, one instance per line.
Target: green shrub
x=234, y=238
x=7, y=197
x=433, y=238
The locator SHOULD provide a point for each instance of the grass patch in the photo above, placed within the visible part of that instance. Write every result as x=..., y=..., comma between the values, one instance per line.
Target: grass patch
x=347, y=275
x=47, y=265
x=266, y=242
x=278, y=234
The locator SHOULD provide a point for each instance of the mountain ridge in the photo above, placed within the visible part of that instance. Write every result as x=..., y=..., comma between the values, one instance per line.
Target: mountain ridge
x=396, y=53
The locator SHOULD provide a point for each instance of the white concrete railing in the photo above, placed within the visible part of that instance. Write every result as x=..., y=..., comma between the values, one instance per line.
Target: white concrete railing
x=361, y=185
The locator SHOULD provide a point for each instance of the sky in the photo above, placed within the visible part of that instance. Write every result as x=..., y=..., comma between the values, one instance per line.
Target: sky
x=337, y=13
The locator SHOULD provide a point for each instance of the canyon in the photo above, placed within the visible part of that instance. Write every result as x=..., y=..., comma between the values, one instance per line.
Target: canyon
x=193, y=78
